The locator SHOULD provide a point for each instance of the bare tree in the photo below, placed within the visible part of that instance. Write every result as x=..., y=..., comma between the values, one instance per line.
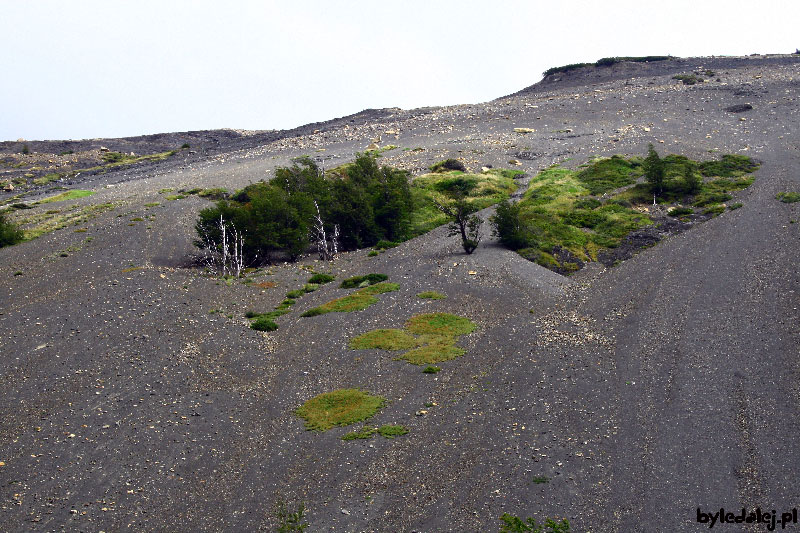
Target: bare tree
x=327, y=247
x=226, y=255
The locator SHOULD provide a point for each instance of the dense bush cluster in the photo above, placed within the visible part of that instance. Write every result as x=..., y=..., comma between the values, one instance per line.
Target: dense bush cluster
x=361, y=203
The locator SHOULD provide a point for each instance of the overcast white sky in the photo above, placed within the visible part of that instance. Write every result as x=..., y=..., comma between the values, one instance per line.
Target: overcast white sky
x=108, y=68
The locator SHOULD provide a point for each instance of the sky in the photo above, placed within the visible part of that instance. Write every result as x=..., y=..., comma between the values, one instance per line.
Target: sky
x=88, y=69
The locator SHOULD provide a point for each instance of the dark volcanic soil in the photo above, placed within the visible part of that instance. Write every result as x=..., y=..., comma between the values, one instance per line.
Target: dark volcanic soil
x=140, y=400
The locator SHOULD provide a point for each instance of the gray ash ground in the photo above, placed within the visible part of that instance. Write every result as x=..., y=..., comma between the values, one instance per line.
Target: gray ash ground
x=140, y=400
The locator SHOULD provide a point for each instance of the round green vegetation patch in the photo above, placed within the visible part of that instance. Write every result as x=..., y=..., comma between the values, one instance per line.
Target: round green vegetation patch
x=431, y=295
x=339, y=408
x=430, y=338
x=440, y=324
x=434, y=352
x=384, y=339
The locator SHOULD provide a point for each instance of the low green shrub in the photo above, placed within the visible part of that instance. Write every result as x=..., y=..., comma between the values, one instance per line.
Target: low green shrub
x=262, y=323
x=729, y=166
x=447, y=165
x=710, y=198
x=680, y=211
x=687, y=79
x=363, y=281
x=714, y=210
x=216, y=193
x=431, y=369
x=514, y=524
x=788, y=197
x=295, y=294
x=321, y=279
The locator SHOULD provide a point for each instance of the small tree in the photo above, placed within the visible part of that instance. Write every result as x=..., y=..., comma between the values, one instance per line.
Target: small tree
x=654, y=170
x=463, y=220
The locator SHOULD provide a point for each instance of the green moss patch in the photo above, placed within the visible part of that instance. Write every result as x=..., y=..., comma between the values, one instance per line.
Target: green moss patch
x=387, y=431
x=357, y=301
x=384, y=339
x=338, y=408
x=437, y=351
x=431, y=295
x=68, y=195
x=428, y=338
x=607, y=174
x=440, y=324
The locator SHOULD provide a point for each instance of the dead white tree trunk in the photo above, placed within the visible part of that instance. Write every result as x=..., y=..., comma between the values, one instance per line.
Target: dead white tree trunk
x=327, y=248
x=226, y=255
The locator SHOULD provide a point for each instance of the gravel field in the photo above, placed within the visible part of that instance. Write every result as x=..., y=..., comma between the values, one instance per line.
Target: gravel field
x=134, y=396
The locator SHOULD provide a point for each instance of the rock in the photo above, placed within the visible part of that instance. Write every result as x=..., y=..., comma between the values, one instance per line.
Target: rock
x=513, y=162
x=373, y=146
x=390, y=132
x=104, y=149
x=646, y=128
x=738, y=108
x=345, y=512
x=524, y=130
x=8, y=187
